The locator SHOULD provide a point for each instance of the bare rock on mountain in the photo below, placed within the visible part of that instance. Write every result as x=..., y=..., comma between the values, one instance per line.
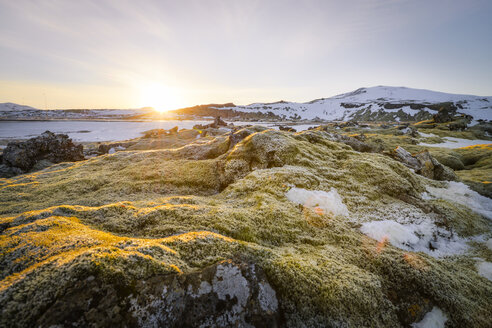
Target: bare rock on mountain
x=444, y=115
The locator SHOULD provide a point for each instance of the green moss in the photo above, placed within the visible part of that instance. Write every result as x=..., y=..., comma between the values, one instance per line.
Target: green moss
x=139, y=214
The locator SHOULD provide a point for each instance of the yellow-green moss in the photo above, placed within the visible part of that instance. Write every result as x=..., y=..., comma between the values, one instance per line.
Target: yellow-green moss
x=137, y=214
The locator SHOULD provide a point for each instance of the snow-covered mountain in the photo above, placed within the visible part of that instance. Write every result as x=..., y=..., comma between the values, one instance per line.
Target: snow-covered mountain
x=376, y=103
x=9, y=107
x=21, y=112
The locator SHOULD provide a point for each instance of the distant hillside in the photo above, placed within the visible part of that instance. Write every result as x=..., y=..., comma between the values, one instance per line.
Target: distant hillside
x=9, y=107
x=379, y=103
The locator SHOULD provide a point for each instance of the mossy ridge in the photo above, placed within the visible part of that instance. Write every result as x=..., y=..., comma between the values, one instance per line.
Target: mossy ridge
x=472, y=164
x=346, y=277
x=51, y=254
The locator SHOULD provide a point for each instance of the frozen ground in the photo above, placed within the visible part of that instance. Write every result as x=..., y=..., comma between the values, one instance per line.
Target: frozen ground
x=93, y=131
x=451, y=142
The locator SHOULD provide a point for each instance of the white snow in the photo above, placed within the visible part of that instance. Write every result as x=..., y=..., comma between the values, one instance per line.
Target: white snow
x=458, y=192
x=485, y=269
x=427, y=135
x=396, y=233
x=489, y=244
x=453, y=143
x=327, y=201
x=433, y=319
x=420, y=236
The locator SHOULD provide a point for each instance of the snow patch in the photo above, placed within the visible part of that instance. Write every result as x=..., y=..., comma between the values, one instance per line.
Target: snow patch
x=485, y=269
x=433, y=319
x=327, y=201
x=396, y=233
x=420, y=236
x=458, y=192
x=489, y=244
x=453, y=143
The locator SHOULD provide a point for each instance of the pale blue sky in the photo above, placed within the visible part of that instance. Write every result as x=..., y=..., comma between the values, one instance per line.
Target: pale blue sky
x=94, y=54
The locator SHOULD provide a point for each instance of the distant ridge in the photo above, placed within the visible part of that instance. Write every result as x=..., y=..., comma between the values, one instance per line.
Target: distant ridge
x=375, y=103
x=380, y=103
x=8, y=107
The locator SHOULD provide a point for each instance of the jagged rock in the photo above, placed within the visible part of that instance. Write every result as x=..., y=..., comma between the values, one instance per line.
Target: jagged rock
x=406, y=158
x=55, y=148
x=286, y=128
x=432, y=169
x=356, y=144
x=444, y=115
x=218, y=122
x=424, y=164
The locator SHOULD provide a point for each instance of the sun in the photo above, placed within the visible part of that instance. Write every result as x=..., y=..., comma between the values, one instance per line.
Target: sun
x=159, y=96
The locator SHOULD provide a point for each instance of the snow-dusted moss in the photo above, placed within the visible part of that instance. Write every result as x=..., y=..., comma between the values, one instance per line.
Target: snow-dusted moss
x=120, y=222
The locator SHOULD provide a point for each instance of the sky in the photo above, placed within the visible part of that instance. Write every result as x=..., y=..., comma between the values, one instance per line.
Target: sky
x=171, y=54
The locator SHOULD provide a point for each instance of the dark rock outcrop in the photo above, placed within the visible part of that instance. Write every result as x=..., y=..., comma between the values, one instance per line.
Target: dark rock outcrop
x=9, y=171
x=444, y=115
x=355, y=143
x=228, y=294
x=54, y=148
x=218, y=122
x=105, y=148
x=424, y=164
x=286, y=128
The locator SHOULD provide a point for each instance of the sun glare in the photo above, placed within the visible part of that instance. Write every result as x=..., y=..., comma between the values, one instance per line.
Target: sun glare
x=160, y=97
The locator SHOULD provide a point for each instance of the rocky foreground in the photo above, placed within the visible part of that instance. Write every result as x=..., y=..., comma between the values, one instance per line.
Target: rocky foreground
x=331, y=227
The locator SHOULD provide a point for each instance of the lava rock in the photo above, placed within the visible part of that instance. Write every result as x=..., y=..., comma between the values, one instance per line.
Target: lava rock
x=228, y=294
x=406, y=158
x=9, y=171
x=444, y=115
x=432, y=169
x=355, y=143
x=286, y=128
x=424, y=164
x=105, y=148
x=218, y=122
x=54, y=148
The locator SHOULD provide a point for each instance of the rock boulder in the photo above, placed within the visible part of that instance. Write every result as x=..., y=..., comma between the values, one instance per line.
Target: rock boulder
x=424, y=164
x=54, y=148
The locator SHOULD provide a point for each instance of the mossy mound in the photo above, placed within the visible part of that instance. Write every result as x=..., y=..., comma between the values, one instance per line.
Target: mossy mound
x=139, y=227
